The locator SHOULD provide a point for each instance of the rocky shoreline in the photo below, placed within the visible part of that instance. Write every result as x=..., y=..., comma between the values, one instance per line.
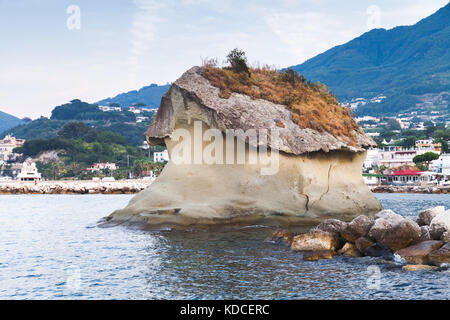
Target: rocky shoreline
x=411, y=189
x=74, y=187
x=420, y=244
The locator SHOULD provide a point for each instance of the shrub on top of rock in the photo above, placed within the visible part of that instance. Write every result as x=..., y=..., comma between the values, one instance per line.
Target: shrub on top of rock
x=238, y=61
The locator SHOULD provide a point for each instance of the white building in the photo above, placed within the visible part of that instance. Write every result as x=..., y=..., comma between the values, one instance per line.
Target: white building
x=371, y=158
x=29, y=172
x=134, y=110
x=103, y=166
x=109, y=109
x=7, y=146
x=140, y=119
x=441, y=165
x=396, y=156
x=161, y=156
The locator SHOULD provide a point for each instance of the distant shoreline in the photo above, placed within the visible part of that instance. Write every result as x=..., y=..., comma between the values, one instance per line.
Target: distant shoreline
x=411, y=189
x=136, y=186
x=74, y=187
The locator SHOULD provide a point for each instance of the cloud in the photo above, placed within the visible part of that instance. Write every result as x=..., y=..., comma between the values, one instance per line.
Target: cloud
x=143, y=34
x=310, y=33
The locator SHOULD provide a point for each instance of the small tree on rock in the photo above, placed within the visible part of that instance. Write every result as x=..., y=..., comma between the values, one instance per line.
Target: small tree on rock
x=238, y=61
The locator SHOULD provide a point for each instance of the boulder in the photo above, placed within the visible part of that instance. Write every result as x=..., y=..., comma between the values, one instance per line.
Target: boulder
x=363, y=243
x=333, y=226
x=318, y=255
x=418, y=253
x=379, y=250
x=439, y=225
x=427, y=215
x=357, y=228
x=316, y=174
x=418, y=267
x=425, y=234
x=394, y=231
x=389, y=216
x=446, y=236
x=440, y=256
x=281, y=236
x=350, y=250
x=314, y=241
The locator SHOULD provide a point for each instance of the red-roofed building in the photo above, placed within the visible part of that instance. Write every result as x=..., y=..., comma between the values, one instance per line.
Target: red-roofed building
x=405, y=176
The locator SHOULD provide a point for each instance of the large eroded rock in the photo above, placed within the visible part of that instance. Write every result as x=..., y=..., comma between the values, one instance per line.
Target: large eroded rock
x=318, y=175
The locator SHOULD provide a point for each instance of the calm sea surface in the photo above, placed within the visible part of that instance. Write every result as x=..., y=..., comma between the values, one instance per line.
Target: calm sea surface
x=50, y=248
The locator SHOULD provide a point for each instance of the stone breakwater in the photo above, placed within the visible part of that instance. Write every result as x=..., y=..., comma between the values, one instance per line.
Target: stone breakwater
x=411, y=189
x=419, y=244
x=74, y=187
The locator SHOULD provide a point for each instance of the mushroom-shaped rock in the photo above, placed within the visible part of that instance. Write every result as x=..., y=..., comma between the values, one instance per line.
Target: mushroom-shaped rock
x=300, y=171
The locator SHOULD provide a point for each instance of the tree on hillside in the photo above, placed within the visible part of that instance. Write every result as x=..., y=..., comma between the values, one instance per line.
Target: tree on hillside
x=425, y=158
x=393, y=124
x=77, y=130
x=238, y=61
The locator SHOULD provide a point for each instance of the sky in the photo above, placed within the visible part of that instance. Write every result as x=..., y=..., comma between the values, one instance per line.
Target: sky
x=54, y=51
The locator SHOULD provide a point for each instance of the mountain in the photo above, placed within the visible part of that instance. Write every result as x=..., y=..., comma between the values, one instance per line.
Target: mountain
x=150, y=96
x=8, y=121
x=409, y=65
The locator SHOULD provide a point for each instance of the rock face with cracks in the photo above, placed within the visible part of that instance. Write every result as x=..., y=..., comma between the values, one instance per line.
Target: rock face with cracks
x=317, y=175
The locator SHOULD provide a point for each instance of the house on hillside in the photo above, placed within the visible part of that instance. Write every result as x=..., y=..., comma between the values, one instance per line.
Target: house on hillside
x=7, y=146
x=161, y=156
x=97, y=167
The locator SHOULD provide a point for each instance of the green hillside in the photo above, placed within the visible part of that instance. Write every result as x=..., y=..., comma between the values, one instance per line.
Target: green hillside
x=123, y=123
x=404, y=64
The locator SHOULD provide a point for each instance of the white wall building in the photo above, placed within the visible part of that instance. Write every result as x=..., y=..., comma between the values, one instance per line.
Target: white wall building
x=103, y=166
x=140, y=119
x=396, y=156
x=371, y=158
x=29, y=172
x=161, y=156
x=109, y=109
x=441, y=165
x=7, y=146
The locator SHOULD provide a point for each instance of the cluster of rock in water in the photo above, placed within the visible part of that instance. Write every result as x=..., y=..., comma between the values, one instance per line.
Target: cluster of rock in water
x=411, y=189
x=74, y=187
x=420, y=245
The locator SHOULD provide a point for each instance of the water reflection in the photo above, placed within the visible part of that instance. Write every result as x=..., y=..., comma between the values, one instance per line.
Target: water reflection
x=50, y=251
